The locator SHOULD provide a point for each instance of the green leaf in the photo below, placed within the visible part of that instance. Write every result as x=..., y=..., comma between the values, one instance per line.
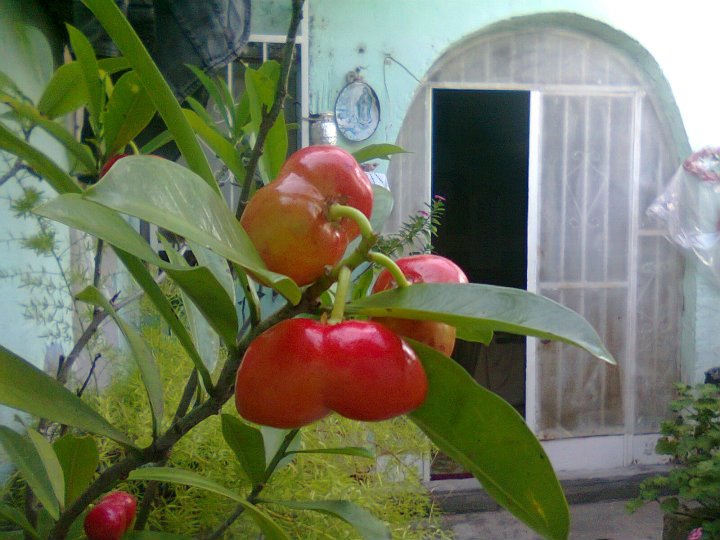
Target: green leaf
x=272, y=439
x=206, y=295
x=149, y=372
x=176, y=200
x=26, y=388
x=201, y=111
x=79, y=213
x=357, y=451
x=261, y=86
x=222, y=148
x=276, y=147
x=57, y=131
x=476, y=310
x=270, y=529
x=129, y=111
x=13, y=515
x=247, y=443
x=24, y=456
x=51, y=464
x=156, y=142
x=89, y=70
x=58, y=179
x=377, y=151
x=369, y=527
x=123, y=35
x=214, y=89
x=484, y=434
x=78, y=457
x=63, y=94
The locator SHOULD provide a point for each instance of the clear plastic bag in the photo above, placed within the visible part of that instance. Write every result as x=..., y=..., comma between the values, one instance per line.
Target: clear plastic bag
x=690, y=208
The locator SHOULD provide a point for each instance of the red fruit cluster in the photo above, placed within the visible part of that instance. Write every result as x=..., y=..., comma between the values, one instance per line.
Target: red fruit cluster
x=112, y=517
x=300, y=370
x=287, y=220
x=423, y=269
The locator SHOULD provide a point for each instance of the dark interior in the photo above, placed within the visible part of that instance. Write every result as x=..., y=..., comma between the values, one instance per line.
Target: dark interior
x=480, y=145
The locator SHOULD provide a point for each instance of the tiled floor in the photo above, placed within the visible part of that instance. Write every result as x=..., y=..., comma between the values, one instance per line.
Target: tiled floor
x=596, y=521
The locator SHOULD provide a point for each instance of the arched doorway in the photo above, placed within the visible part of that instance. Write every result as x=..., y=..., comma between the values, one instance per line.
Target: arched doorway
x=602, y=138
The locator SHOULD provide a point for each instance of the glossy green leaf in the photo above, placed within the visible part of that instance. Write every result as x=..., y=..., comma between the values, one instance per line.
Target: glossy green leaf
x=13, y=515
x=273, y=438
x=276, y=147
x=270, y=529
x=23, y=454
x=476, y=310
x=26, y=388
x=79, y=213
x=487, y=436
x=58, y=179
x=78, y=457
x=63, y=94
x=357, y=451
x=368, y=526
x=260, y=87
x=89, y=70
x=377, y=151
x=51, y=464
x=202, y=292
x=56, y=130
x=176, y=200
x=214, y=90
x=247, y=443
x=222, y=148
x=149, y=372
x=156, y=142
x=123, y=35
x=129, y=111
x=200, y=110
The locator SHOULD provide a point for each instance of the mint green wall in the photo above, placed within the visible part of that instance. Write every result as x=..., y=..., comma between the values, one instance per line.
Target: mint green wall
x=395, y=43
x=28, y=57
x=345, y=34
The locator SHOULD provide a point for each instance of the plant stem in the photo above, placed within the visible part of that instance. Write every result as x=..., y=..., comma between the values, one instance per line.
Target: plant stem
x=253, y=495
x=339, y=211
x=338, y=310
x=391, y=266
x=269, y=118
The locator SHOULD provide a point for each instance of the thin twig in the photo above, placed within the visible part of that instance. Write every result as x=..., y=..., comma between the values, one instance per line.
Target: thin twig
x=89, y=375
x=270, y=117
x=257, y=489
x=14, y=170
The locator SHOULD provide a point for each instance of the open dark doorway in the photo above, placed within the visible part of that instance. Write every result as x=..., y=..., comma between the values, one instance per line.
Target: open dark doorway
x=480, y=145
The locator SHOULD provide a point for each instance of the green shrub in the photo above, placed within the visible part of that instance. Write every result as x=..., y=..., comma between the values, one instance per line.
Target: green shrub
x=692, y=439
x=393, y=492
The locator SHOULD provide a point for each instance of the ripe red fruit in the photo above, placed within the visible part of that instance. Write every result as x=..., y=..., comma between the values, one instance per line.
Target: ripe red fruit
x=288, y=222
x=423, y=269
x=110, y=162
x=111, y=517
x=300, y=370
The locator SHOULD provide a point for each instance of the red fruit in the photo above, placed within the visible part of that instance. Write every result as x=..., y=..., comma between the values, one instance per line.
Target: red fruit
x=423, y=269
x=110, y=162
x=105, y=522
x=126, y=501
x=111, y=517
x=287, y=220
x=300, y=370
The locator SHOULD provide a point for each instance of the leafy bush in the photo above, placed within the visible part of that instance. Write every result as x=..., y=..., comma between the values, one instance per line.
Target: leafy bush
x=692, y=439
x=393, y=492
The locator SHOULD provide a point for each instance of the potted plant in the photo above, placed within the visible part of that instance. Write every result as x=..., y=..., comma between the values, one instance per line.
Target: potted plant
x=690, y=493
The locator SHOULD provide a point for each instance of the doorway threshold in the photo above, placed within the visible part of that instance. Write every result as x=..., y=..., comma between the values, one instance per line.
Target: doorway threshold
x=460, y=496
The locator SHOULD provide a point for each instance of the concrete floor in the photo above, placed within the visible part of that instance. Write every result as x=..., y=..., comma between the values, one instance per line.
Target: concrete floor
x=606, y=520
